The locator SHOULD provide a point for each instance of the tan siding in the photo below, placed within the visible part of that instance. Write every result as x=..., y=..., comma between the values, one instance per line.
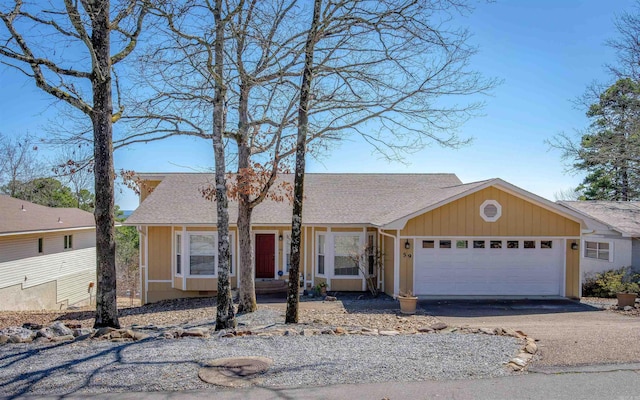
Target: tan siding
x=73, y=289
x=162, y=291
x=572, y=288
x=159, y=253
x=346, y=285
x=388, y=251
x=177, y=282
x=210, y=284
x=406, y=267
x=519, y=218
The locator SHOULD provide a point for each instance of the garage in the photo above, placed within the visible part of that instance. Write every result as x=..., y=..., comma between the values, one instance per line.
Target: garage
x=489, y=267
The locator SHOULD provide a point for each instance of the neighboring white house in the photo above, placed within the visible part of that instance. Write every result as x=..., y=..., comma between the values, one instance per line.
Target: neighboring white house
x=612, y=239
x=47, y=256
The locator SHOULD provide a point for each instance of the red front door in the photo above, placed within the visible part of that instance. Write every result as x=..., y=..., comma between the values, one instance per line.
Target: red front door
x=265, y=255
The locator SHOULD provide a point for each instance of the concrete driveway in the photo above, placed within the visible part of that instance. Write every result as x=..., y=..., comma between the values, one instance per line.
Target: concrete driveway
x=569, y=333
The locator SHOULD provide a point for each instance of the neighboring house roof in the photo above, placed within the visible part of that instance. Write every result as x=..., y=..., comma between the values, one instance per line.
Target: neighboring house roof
x=621, y=216
x=20, y=216
x=385, y=200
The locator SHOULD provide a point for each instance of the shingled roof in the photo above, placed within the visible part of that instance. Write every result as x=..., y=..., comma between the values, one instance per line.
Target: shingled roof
x=375, y=199
x=20, y=216
x=622, y=216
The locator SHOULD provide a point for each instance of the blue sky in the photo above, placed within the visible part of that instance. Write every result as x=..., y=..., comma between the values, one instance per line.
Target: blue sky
x=546, y=52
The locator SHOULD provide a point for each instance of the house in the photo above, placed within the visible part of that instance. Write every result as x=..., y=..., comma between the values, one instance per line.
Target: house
x=47, y=256
x=612, y=237
x=439, y=237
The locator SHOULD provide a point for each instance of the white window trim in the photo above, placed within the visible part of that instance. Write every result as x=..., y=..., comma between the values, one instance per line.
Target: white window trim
x=495, y=217
x=232, y=250
x=175, y=253
x=186, y=251
x=329, y=254
x=316, y=253
x=286, y=249
x=597, y=240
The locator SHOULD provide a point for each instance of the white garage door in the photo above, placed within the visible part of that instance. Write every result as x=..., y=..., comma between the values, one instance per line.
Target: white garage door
x=498, y=267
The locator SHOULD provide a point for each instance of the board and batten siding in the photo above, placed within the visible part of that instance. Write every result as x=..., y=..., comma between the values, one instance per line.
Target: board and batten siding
x=70, y=270
x=519, y=218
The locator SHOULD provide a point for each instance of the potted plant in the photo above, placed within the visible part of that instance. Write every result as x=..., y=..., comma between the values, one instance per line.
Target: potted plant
x=627, y=294
x=627, y=288
x=321, y=288
x=408, y=302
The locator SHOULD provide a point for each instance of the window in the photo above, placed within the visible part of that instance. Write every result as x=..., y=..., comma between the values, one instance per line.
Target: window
x=286, y=251
x=428, y=244
x=478, y=244
x=321, y=250
x=490, y=211
x=68, y=241
x=202, y=254
x=445, y=244
x=597, y=250
x=512, y=244
x=462, y=244
x=345, y=254
x=178, y=254
x=496, y=244
x=546, y=244
x=529, y=244
x=40, y=245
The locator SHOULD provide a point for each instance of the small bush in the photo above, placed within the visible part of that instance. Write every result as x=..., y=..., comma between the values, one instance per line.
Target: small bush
x=608, y=283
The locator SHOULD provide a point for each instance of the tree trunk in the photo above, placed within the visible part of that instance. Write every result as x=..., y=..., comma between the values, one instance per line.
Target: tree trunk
x=247, y=302
x=293, y=297
x=106, y=300
x=225, y=317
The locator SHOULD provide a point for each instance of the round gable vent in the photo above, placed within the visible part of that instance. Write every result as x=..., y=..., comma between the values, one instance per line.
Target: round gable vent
x=490, y=210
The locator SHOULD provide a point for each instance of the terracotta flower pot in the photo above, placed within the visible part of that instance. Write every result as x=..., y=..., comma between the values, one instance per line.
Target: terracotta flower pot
x=408, y=304
x=626, y=299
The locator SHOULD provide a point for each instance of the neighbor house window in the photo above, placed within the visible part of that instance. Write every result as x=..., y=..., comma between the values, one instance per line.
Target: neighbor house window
x=202, y=254
x=68, y=241
x=478, y=244
x=346, y=254
x=546, y=244
x=529, y=244
x=496, y=244
x=321, y=250
x=40, y=245
x=445, y=244
x=427, y=244
x=597, y=250
x=462, y=244
x=178, y=254
x=512, y=244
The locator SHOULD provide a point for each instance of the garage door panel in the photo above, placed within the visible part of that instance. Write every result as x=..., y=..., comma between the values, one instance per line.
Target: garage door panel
x=504, y=271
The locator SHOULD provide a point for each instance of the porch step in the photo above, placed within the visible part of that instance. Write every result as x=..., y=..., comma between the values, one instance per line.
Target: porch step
x=272, y=286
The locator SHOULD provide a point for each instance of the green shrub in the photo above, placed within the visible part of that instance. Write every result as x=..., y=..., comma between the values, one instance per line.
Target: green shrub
x=608, y=283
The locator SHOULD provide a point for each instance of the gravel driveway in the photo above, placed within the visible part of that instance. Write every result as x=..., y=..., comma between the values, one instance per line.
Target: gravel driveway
x=569, y=333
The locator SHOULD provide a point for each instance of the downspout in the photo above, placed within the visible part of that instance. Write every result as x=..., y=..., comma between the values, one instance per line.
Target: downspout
x=396, y=260
x=142, y=233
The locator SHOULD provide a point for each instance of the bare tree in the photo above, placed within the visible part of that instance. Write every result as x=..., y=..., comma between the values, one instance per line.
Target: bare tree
x=627, y=45
x=392, y=72
x=19, y=163
x=70, y=49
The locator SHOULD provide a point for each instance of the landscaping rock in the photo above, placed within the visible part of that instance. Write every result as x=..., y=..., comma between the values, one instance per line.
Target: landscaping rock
x=487, y=331
x=60, y=329
x=425, y=329
x=330, y=298
x=628, y=308
x=103, y=332
x=195, y=332
x=82, y=332
x=531, y=347
x=63, y=338
x=438, y=326
x=46, y=333
x=388, y=333
x=4, y=339
x=18, y=334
